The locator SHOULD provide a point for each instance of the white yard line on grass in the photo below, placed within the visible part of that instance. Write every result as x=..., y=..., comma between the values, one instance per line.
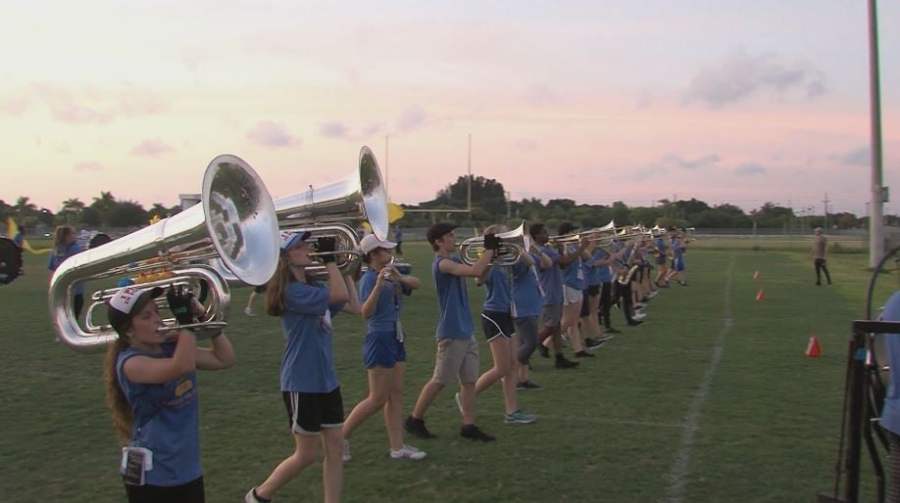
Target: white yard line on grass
x=679, y=471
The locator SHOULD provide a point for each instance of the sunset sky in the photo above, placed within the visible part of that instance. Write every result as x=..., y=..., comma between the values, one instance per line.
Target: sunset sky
x=724, y=100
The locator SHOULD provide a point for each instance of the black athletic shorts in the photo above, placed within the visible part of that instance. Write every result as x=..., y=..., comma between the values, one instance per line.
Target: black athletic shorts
x=496, y=323
x=191, y=492
x=308, y=413
x=260, y=289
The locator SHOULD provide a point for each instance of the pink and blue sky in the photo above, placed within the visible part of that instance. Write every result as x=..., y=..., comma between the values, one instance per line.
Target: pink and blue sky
x=723, y=100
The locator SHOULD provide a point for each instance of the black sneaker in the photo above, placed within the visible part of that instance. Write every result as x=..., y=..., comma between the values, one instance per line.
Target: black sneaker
x=611, y=330
x=527, y=385
x=544, y=351
x=583, y=354
x=634, y=323
x=562, y=363
x=593, y=344
x=416, y=427
x=472, y=432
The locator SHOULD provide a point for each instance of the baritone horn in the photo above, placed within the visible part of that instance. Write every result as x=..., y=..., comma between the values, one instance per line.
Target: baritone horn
x=337, y=209
x=513, y=244
x=234, y=224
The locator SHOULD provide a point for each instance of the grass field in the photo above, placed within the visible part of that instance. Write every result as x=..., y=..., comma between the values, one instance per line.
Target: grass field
x=711, y=400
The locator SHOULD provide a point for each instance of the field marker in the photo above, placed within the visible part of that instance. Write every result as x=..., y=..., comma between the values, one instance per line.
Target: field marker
x=678, y=473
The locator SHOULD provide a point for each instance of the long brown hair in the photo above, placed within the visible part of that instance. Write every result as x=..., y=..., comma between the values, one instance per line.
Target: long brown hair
x=277, y=285
x=115, y=398
x=60, y=235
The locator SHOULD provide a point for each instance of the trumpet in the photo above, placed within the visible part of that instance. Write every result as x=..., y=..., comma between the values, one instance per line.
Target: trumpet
x=234, y=226
x=513, y=244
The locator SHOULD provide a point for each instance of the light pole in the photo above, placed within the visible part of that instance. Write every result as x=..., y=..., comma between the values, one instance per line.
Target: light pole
x=876, y=239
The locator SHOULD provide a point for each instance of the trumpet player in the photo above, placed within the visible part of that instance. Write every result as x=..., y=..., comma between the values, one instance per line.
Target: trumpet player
x=497, y=323
x=381, y=291
x=457, y=351
x=551, y=284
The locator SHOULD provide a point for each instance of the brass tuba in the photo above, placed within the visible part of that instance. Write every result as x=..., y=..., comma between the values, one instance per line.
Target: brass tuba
x=235, y=224
x=335, y=210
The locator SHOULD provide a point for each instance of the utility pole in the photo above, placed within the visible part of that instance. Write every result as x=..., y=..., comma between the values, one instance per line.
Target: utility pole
x=876, y=239
x=469, y=187
x=825, y=202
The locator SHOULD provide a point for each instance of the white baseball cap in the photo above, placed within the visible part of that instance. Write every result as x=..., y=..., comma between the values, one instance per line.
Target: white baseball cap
x=126, y=302
x=371, y=242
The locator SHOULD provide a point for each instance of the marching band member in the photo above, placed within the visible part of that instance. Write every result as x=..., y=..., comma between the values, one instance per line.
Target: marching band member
x=551, y=283
x=457, y=351
x=662, y=281
x=890, y=413
x=528, y=302
x=573, y=286
x=603, y=261
x=678, y=272
x=590, y=322
x=310, y=388
x=65, y=244
x=380, y=291
x=151, y=388
x=497, y=323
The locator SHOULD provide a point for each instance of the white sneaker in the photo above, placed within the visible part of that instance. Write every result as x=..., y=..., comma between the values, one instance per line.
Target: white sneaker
x=345, y=452
x=638, y=316
x=250, y=498
x=408, y=452
x=458, y=402
x=249, y=311
x=652, y=294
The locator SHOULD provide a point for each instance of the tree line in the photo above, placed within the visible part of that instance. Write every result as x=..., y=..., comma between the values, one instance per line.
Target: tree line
x=490, y=204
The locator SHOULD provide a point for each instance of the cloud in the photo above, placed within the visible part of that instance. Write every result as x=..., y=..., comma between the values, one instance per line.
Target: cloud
x=89, y=166
x=151, y=148
x=691, y=164
x=861, y=156
x=412, y=118
x=89, y=105
x=333, y=129
x=340, y=130
x=15, y=105
x=749, y=169
x=739, y=76
x=272, y=134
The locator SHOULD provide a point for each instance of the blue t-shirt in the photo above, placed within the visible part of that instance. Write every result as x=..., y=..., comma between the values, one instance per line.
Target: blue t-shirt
x=604, y=274
x=661, y=245
x=573, y=274
x=551, y=278
x=59, y=255
x=166, y=421
x=499, y=290
x=454, y=317
x=307, y=365
x=890, y=415
x=387, y=310
x=528, y=296
x=677, y=249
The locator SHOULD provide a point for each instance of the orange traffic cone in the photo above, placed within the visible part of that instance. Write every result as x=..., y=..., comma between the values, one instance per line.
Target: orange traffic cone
x=755, y=274
x=760, y=295
x=813, y=349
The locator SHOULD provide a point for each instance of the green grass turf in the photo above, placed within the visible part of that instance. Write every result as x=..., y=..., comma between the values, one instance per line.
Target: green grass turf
x=608, y=431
